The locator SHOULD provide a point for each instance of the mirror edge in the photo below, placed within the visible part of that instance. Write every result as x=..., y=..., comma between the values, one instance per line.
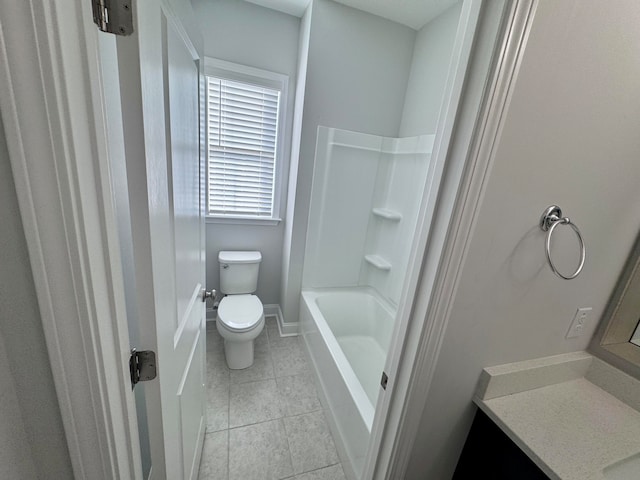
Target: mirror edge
x=611, y=341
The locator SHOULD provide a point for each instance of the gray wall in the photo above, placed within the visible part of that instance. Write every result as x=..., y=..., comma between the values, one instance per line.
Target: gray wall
x=244, y=33
x=570, y=137
x=16, y=456
x=429, y=69
x=358, y=66
x=32, y=439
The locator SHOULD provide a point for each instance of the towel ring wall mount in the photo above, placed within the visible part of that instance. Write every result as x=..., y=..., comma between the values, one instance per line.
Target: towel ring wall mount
x=551, y=218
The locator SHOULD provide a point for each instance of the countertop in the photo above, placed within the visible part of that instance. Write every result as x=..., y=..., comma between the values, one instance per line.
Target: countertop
x=572, y=428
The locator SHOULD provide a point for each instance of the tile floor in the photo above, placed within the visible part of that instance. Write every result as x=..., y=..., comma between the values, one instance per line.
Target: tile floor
x=265, y=422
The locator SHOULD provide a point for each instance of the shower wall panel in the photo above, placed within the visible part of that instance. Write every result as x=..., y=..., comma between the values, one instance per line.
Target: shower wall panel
x=343, y=186
x=365, y=199
x=402, y=175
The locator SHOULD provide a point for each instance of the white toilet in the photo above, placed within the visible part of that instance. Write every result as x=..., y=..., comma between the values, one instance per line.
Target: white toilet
x=240, y=314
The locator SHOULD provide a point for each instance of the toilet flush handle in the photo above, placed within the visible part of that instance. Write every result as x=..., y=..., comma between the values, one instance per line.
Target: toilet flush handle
x=210, y=294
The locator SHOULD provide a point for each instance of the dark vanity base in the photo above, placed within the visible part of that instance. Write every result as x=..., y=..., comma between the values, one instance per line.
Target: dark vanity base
x=489, y=454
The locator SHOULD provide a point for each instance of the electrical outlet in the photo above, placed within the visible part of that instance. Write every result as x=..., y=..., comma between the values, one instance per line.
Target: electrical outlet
x=579, y=322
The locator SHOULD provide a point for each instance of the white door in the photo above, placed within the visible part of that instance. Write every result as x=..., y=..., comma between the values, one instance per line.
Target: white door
x=165, y=175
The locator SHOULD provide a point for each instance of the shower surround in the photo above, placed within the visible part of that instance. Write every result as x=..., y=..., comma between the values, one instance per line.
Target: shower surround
x=363, y=215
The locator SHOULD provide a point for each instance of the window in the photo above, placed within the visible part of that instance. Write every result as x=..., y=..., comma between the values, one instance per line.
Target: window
x=244, y=130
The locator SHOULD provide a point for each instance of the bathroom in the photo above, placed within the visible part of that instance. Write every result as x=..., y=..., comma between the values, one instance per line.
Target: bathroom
x=372, y=94
x=559, y=128
x=307, y=251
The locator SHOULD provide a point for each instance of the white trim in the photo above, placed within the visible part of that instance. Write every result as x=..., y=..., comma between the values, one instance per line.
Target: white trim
x=50, y=99
x=440, y=279
x=229, y=220
x=278, y=81
x=286, y=329
x=272, y=310
x=236, y=71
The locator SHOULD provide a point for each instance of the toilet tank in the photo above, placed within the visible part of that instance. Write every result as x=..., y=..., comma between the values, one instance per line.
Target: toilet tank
x=239, y=271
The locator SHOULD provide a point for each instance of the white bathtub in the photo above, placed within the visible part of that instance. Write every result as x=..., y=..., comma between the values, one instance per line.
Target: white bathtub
x=347, y=334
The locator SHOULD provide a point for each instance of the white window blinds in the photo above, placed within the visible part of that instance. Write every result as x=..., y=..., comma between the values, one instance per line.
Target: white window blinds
x=242, y=125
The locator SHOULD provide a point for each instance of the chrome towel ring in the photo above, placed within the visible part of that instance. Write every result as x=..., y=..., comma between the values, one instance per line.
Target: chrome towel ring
x=551, y=218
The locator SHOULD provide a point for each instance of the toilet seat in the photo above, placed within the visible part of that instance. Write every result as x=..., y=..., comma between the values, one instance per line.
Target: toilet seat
x=240, y=313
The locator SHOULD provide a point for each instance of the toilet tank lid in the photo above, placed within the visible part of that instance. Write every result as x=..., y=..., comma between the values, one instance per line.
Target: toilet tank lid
x=239, y=257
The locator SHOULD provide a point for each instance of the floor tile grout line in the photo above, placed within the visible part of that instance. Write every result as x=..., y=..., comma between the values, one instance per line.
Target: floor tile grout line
x=319, y=468
x=277, y=418
x=253, y=381
x=306, y=413
x=256, y=423
x=282, y=406
x=295, y=475
x=286, y=434
x=280, y=399
x=228, y=454
x=228, y=419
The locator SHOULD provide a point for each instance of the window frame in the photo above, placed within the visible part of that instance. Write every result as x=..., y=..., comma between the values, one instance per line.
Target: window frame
x=214, y=67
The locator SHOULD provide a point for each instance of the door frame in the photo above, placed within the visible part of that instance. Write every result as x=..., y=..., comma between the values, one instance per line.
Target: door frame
x=469, y=152
x=54, y=117
x=52, y=108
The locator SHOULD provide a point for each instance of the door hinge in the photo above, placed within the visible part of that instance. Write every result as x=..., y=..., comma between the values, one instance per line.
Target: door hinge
x=142, y=366
x=384, y=380
x=113, y=16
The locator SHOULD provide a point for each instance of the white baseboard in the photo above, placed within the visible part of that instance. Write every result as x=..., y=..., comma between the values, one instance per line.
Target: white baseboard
x=287, y=329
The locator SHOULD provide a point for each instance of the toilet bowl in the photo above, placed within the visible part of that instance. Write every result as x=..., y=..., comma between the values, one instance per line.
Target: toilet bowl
x=240, y=314
x=240, y=321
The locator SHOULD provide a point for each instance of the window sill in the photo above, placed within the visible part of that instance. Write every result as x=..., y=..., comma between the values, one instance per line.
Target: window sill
x=244, y=220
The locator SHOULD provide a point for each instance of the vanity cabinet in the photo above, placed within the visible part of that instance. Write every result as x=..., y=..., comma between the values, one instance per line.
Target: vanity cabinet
x=489, y=454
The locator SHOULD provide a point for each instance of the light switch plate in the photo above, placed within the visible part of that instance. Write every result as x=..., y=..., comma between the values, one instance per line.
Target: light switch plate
x=579, y=322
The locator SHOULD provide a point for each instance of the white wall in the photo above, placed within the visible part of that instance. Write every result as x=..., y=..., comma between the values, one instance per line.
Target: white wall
x=429, y=69
x=32, y=439
x=570, y=137
x=357, y=71
x=247, y=34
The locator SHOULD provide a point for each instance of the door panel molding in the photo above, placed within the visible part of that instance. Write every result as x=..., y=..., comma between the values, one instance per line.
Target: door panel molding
x=184, y=322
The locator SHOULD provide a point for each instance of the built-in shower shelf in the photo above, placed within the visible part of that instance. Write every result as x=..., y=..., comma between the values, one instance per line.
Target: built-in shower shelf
x=378, y=262
x=387, y=214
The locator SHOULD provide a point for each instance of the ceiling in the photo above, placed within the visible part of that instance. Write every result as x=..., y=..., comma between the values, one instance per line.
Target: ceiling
x=292, y=7
x=412, y=13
